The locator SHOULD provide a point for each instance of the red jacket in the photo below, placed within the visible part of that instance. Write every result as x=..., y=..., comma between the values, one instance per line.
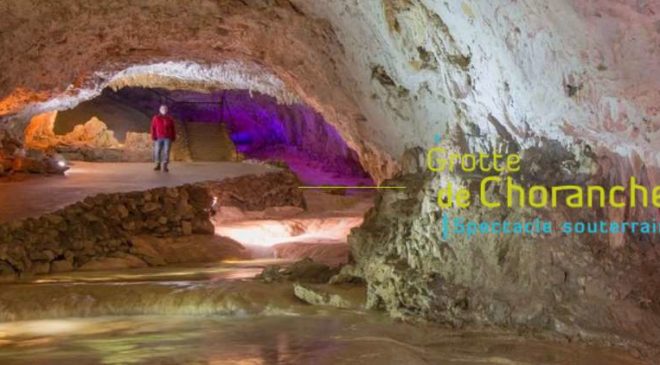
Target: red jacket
x=162, y=126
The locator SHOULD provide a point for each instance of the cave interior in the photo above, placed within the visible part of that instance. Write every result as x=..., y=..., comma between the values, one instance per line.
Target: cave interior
x=302, y=219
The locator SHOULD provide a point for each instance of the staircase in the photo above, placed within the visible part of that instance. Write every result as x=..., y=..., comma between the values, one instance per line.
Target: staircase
x=209, y=142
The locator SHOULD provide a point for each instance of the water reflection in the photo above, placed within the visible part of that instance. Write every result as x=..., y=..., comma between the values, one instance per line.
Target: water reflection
x=340, y=338
x=225, y=270
x=209, y=314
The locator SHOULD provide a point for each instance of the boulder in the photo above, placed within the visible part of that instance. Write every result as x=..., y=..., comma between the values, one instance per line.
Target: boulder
x=94, y=133
x=340, y=296
x=259, y=192
x=305, y=271
x=187, y=249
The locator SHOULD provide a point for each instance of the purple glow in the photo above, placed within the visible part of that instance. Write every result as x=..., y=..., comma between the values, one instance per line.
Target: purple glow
x=261, y=128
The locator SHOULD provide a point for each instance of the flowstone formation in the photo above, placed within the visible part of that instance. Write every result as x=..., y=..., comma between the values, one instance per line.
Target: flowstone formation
x=578, y=286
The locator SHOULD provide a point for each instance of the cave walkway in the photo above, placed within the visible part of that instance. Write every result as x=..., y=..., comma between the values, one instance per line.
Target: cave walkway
x=35, y=195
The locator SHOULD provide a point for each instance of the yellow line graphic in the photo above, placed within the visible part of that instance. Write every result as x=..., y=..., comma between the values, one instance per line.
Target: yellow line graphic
x=350, y=187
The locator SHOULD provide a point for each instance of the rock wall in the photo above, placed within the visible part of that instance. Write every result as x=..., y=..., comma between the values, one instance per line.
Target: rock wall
x=577, y=286
x=181, y=147
x=257, y=123
x=251, y=193
x=16, y=158
x=210, y=142
x=101, y=226
x=206, y=45
x=567, y=70
x=140, y=228
x=388, y=74
x=118, y=117
x=94, y=141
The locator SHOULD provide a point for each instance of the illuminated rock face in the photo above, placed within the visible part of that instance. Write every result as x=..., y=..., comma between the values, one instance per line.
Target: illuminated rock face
x=16, y=158
x=387, y=74
x=419, y=263
x=200, y=45
x=117, y=116
x=562, y=69
x=92, y=140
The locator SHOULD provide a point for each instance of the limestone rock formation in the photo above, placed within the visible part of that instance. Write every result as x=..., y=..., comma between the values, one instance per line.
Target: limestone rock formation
x=340, y=296
x=304, y=271
x=577, y=285
x=93, y=141
x=387, y=73
x=15, y=158
x=94, y=133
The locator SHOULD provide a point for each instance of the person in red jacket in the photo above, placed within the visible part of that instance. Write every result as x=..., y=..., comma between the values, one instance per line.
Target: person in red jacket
x=163, y=134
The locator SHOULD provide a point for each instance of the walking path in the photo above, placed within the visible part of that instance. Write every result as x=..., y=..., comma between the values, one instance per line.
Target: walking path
x=37, y=195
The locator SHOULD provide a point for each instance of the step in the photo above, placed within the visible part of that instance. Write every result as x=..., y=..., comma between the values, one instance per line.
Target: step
x=209, y=142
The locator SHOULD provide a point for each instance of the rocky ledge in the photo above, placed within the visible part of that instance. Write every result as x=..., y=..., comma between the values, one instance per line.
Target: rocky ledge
x=576, y=286
x=101, y=226
x=252, y=193
x=137, y=229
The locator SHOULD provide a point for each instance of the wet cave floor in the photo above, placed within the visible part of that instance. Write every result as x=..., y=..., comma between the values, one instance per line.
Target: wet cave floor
x=332, y=338
x=25, y=196
x=218, y=312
